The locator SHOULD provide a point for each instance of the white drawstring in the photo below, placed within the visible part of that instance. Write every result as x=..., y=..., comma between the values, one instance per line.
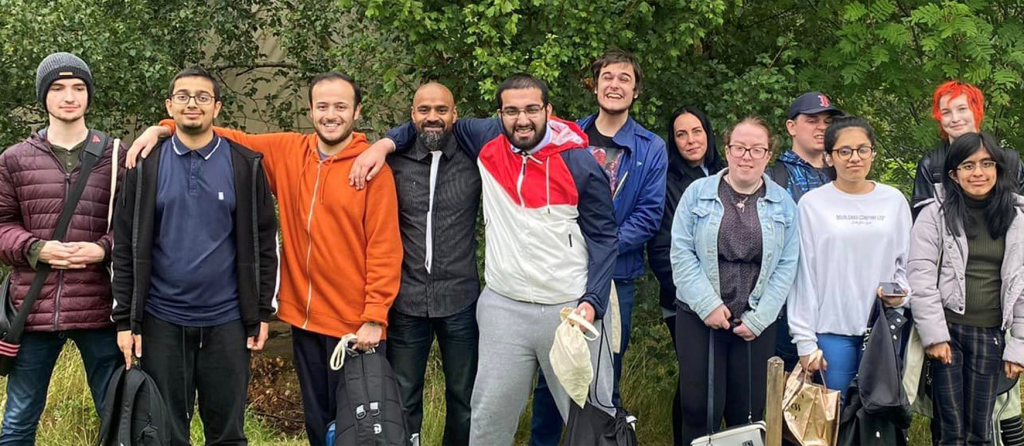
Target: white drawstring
x=340, y=350
x=547, y=183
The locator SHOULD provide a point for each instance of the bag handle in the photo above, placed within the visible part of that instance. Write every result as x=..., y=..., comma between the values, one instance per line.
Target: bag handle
x=95, y=143
x=577, y=320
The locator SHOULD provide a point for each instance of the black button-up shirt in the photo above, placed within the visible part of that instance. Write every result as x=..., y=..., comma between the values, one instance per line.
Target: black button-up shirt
x=453, y=283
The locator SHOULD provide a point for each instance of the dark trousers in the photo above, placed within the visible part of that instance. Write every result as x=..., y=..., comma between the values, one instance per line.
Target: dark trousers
x=213, y=361
x=677, y=415
x=28, y=383
x=740, y=385
x=546, y=425
x=318, y=383
x=964, y=391
x=409, y=341
x=784, y=346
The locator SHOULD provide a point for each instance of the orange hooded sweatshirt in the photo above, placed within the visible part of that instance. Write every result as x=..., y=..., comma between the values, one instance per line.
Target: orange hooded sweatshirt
x=342, y=255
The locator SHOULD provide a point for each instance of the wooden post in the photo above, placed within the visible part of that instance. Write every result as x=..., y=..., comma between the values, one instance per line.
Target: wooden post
x=773, y=407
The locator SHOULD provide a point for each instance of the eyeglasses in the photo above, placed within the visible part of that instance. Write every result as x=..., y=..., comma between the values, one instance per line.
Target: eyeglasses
x=738, y=151
x=970, y=166
x=201, y=98
x=845, y=153
x=531, y=111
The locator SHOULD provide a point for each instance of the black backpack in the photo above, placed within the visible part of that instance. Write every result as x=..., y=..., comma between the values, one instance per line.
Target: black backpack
x=370, y=410
x=133, y=411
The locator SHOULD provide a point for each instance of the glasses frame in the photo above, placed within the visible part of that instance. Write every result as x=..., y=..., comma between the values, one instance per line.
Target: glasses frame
x=971, y=165
x=871, y=153
x=192, y=97
x=747, y=150
x=513, y=113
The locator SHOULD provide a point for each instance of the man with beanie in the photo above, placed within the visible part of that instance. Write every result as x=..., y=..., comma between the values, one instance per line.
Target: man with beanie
x=75, y=301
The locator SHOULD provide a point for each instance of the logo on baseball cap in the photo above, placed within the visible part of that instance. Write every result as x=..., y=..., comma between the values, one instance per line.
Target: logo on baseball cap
x=812, y=103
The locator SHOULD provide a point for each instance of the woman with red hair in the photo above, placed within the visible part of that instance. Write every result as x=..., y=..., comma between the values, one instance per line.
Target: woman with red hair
x=958, y=108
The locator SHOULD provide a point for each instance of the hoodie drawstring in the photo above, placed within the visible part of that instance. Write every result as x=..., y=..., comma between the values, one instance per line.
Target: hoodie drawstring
x=547, y=184
x=327, y=167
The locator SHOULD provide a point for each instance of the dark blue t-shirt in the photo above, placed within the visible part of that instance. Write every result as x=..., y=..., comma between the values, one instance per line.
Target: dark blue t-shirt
x=194, y=278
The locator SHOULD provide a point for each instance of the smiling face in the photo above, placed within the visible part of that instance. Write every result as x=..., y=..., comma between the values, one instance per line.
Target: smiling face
x=691, y=140
x=746, y=168
x=334, y=111
x=850, y=165
x=976, y=175
x=524, y=117
x=616, y=87
x=192, y=117
x=956, y=116
x=67, y=99
x=433, y=114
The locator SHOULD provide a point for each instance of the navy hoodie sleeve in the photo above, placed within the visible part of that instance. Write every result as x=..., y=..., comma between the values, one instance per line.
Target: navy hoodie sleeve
x=471, y=134
x=645, y=219
x=597, y=223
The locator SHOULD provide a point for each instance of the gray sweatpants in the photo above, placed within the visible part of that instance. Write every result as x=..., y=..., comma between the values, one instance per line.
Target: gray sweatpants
x=515, y=339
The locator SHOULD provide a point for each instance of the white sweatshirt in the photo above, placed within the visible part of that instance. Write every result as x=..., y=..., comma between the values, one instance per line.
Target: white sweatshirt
x=848, y=244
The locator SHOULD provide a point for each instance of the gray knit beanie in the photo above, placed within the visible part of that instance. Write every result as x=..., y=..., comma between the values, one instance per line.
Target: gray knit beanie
x=61, y=66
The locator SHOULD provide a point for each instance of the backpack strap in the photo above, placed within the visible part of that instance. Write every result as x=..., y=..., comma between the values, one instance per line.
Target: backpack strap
x=780, y=174
x=133, y=382
x=95, y=143
x=110, y=404
x=375, y=389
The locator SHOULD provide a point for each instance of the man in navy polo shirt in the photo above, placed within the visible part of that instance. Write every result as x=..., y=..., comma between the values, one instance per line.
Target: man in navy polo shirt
x=195, y=265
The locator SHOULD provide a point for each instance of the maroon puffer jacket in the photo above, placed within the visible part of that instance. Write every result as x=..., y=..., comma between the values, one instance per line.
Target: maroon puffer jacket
x=32, y=189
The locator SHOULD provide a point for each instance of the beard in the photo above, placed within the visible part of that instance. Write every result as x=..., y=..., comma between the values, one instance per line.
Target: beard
x=345, y=133
x=433, y=140
x=526, y=144
x=193, y=128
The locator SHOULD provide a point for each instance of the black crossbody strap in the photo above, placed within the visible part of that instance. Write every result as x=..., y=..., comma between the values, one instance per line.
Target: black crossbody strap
x=95, y=143
x=750, y=383
x=711, y=381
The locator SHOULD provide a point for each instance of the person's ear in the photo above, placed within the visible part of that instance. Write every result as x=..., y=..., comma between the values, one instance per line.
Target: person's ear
x=829, y=161
x=791, y=127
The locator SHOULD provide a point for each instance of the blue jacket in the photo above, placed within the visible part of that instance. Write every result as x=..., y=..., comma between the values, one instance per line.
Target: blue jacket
x=640, y=202
x=694, y=253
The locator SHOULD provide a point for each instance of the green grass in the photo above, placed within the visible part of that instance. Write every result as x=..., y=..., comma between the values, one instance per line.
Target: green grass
x=647, y=389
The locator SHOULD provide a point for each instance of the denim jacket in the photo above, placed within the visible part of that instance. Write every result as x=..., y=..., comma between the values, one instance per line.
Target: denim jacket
x=694, y=253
